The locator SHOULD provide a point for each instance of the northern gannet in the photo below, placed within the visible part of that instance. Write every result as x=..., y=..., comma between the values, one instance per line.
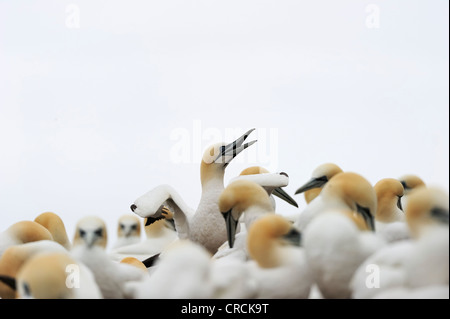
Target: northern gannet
x=320, y=176
x=206, y=225
x=89, y=248
x=344, y=191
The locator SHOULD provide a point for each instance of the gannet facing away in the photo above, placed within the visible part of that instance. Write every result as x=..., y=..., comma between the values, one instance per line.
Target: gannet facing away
x=55, y=226
x=128, y=231
x=23, y=232
x=206, y=225
x=89, y=247
x=344, y=191
x=320, y=176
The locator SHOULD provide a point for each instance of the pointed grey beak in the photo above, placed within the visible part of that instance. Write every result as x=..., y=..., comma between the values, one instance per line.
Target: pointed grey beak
x=440, y=215
x=9, y=281
x=312, y=183
x=280, y=193
x=230, y=151
x=231, y=225
x=365, y=213
x=293, y=237
x=399, y=203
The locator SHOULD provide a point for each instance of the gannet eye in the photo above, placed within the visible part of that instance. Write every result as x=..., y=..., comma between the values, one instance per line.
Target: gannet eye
x=98, y=232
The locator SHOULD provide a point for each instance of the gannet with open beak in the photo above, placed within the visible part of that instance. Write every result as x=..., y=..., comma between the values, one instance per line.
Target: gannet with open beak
x=344, y=191
x=412, y=267
x=320, y=176
x=390, y=218
x=206, y=225
x=336, y=243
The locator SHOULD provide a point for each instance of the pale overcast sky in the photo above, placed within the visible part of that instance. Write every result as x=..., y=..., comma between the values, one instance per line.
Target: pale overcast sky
x=100, y=101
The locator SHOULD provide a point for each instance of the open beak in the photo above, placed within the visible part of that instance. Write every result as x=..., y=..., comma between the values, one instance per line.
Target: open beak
x=231, y=225
x=368, y=218
x=312, y=183
x=280, y=193
x=230, y=151
x=293, y=237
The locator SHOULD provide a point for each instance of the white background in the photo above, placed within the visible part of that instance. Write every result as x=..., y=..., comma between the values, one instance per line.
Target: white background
x=94, y=94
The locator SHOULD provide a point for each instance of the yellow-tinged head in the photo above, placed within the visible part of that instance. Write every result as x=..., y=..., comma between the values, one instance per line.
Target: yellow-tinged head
x=44, y=277
x=56, y=227
x=410, y=182
x=28, y=231
x=129, y=226
x=253, y=170
x=90, y=231
x=134, y=262
x=389, y=193
x=320, y=176
x=427, y=207
x=242, y=194
x=217, y=157
x=356, y=192
x=266, y=235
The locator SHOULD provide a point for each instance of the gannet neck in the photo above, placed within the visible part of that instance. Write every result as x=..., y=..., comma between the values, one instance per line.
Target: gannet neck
x=253, y=213
x=389, y=191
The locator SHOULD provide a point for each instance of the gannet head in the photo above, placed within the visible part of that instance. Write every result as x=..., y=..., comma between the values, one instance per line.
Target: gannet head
x=389, y=193
x=128, y=226
x=238, y=197
x=217, y=157
x=410, y=182
x=320, y=176
x=90, y=231
x=356, y=192
x=427, y=207
x=55, y=225
x=44, y=277
x=266, y=232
